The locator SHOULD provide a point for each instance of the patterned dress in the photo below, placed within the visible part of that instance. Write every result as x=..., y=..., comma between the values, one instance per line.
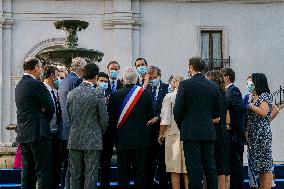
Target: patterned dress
x=260, y=137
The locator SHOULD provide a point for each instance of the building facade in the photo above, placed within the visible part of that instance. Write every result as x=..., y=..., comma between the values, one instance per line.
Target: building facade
x=248, y=35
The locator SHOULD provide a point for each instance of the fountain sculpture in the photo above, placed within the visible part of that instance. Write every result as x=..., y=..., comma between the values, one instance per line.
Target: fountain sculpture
x=64, y=55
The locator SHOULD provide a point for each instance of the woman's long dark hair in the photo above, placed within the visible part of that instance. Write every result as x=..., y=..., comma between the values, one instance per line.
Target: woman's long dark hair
x=260, y=82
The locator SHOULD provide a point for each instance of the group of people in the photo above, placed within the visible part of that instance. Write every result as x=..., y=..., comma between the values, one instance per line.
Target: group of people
x=189, y=133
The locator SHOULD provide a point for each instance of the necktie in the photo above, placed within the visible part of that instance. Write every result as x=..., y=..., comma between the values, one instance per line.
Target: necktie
x=154, y=89
x=113, y=88
x=57, y=108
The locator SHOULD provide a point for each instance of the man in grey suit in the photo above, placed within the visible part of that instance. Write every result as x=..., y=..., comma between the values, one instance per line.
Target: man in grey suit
x=71, y=81
x=89, y=118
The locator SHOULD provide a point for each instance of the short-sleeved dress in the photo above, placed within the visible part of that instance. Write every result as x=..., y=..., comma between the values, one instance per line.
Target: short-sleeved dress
x=260, y=137
x=174, y=155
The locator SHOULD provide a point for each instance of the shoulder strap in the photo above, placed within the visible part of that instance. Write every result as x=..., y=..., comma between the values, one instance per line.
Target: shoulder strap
x=128, y=104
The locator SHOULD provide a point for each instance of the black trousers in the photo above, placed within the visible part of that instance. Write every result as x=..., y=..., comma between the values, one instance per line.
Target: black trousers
x=199, y=155
x=236, y=166
x=37, y=164
x=156, y=165
x=57, y=162
x=65, y=173
x=135, y=158
x=106, y=155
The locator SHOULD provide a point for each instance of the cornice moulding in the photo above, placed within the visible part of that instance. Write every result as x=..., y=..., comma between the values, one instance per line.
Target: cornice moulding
x=221, y=1
x=122, y=23
x=8, y=23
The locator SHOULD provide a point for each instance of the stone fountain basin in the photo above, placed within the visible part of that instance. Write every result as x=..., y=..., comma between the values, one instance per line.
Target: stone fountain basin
x=65, y=55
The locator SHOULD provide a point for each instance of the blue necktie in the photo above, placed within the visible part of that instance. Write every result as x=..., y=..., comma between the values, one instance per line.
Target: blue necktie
x=113, y=88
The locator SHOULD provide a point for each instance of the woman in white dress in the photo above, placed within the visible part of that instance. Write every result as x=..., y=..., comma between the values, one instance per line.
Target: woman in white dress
x=169, y=132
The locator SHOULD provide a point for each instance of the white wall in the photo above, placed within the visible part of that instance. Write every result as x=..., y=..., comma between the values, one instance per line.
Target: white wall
x=255, y=33
x=169, y=37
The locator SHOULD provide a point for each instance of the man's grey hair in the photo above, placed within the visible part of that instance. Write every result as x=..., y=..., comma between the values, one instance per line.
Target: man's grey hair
x=130, y=75
x=78, y=63
x=154, y=69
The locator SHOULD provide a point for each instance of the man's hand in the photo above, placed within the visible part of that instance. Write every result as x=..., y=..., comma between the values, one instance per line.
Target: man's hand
x=152, y=121
x=146, y=80
x=216, y=120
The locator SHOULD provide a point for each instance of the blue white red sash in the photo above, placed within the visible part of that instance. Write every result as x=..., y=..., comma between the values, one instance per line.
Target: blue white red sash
x=128, y=104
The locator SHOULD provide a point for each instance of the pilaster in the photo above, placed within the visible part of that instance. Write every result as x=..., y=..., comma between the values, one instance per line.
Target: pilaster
x=6, y=48
x=124, y=22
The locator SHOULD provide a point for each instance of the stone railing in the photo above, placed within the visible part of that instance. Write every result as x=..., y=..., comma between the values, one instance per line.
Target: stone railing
x=7, y=157
x=216, y=64
x=278, y=97
x=7, y=154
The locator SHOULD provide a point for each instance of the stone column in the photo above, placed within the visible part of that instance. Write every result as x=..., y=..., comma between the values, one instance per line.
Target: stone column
x=2, y=20
x=122, y=21
x=6, y=73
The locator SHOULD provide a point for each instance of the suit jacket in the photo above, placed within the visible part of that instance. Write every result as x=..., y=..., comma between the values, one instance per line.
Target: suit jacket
x=109, y=90
x=197, y=103
x=237, y=113
x=135, y=133
x=70, y=82
x=88, y=117
x=163, y=90
x=35, y=110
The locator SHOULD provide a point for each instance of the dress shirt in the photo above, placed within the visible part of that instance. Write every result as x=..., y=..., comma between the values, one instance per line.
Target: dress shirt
x=30, y=75
x=88, y=83
x=229, y=85
x=53, y=123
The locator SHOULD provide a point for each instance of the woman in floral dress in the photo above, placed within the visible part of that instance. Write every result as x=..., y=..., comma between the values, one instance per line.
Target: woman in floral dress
x=259, y=131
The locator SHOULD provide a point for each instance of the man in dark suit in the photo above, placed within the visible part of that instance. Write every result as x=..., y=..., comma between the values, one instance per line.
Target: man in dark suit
x=235, y=128
x=35, y=110
x=50, y=78
x=141, y=66
x=114, y=84
x=156, y=156
x=134, y=136
x=71, y=81
x=88, y=115
x=197, y=103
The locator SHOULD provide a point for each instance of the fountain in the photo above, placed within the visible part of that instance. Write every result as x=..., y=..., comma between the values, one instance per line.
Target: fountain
x=64, y=55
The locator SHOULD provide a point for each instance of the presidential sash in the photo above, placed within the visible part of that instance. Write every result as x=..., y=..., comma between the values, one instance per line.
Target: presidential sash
x=128, y=104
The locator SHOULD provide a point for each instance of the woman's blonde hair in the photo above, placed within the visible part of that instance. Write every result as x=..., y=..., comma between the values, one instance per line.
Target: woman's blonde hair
x=177, y=79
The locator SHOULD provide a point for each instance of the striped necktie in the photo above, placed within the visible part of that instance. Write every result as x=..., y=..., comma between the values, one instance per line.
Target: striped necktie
x=57, y=108
x=113, y=88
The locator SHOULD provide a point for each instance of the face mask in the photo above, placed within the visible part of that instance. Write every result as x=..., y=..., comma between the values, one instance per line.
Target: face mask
x=250, y=86
x=57, y=83
x=170, y=89
x=154, y=83
x=113, y=74
x=142, y=70
x=103, y=86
